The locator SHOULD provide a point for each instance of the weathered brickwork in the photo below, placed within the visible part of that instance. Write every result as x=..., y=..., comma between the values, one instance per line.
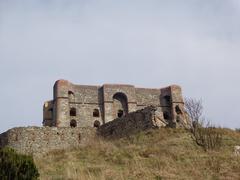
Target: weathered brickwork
x=39, y=140
x=86, y=106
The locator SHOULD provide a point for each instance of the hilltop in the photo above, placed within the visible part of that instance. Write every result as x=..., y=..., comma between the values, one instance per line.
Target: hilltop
x=154, y=154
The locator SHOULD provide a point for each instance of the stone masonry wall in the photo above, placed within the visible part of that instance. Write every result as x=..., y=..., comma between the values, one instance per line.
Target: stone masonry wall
x=39, y=140
x=146, y=97
x=87, y=99
x=133, y=122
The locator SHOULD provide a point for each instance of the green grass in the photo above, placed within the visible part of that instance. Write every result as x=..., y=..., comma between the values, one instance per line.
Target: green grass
x=155, y=154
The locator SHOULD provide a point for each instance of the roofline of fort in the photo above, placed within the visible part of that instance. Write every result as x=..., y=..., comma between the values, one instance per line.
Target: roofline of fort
x=62, y=81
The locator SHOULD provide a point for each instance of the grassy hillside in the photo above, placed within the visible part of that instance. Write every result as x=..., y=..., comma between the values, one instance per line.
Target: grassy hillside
x=156, y=154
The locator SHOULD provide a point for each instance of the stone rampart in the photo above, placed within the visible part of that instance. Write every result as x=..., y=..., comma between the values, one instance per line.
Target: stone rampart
x=39, y=140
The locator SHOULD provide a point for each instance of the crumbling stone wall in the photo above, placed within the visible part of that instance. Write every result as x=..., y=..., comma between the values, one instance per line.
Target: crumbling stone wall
x=39, y=140
x=146, y=118
x=133, y=122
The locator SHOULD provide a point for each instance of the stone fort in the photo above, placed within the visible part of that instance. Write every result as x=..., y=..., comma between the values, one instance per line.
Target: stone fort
x=79, y=113
x=91, y=106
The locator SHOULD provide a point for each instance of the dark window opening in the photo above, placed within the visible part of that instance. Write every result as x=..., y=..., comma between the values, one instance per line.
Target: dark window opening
x=79, y=137
x=166, y=115
x=167, y=99
x=178, y=119
x=51, y=111
x=120, y=113
x=111, y=131
x=96, y=124
x=73, y=112
x=178, y=110
x=70, y=96
x=70, y=93
x=96, y=113
x=73, y=123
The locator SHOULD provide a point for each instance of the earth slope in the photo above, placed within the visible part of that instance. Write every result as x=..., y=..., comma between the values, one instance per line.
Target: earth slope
x=155, y=154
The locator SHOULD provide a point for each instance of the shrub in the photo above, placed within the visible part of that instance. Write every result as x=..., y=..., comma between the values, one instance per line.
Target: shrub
x=237, y=130
x=16, y=167
x=204, y=134
x=209, y=137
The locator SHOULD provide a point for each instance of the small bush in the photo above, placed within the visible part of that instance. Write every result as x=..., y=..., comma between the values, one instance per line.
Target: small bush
x=210, y=138
x=16, y=167
x=158, y=178
x=237, y=130
x=204, y=134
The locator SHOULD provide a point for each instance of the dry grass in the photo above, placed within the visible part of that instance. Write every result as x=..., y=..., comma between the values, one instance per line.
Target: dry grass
x=155, y=154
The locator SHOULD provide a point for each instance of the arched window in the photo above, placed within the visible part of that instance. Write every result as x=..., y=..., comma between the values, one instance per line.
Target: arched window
x=120, y=113
x=73, y=123
x=96, y=113
x=50, y=111
x=167, y=99
x=96, y=124
x=71, y=96
x=178, y=110
x=120, y=104
x=73, y=112
x=166, y=115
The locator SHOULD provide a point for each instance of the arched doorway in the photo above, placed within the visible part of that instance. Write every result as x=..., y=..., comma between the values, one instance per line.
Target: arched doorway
x=96, y=124
x=73, y=123
x=120, y=105
x=73, y=112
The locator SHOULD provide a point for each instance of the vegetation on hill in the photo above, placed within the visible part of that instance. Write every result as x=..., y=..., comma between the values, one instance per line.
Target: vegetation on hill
x=14, y=166
x=154, y=154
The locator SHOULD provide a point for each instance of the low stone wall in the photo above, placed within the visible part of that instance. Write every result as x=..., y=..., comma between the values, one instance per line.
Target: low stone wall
x=39, y=140
x=132, y=123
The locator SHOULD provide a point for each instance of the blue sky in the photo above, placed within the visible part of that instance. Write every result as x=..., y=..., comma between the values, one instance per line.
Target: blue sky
x=151, y=43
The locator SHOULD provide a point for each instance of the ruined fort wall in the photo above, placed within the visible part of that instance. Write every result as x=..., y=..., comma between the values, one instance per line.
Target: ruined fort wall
x=132, y=123
x=61, y=102
x=85, y=99
x=39, y=140
x=84, y=115
x=176, y=94
x=160, y=98
x=146, y=97
x=178, y=111
x=86, y=94
x=48, y=109
x=109, y=91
